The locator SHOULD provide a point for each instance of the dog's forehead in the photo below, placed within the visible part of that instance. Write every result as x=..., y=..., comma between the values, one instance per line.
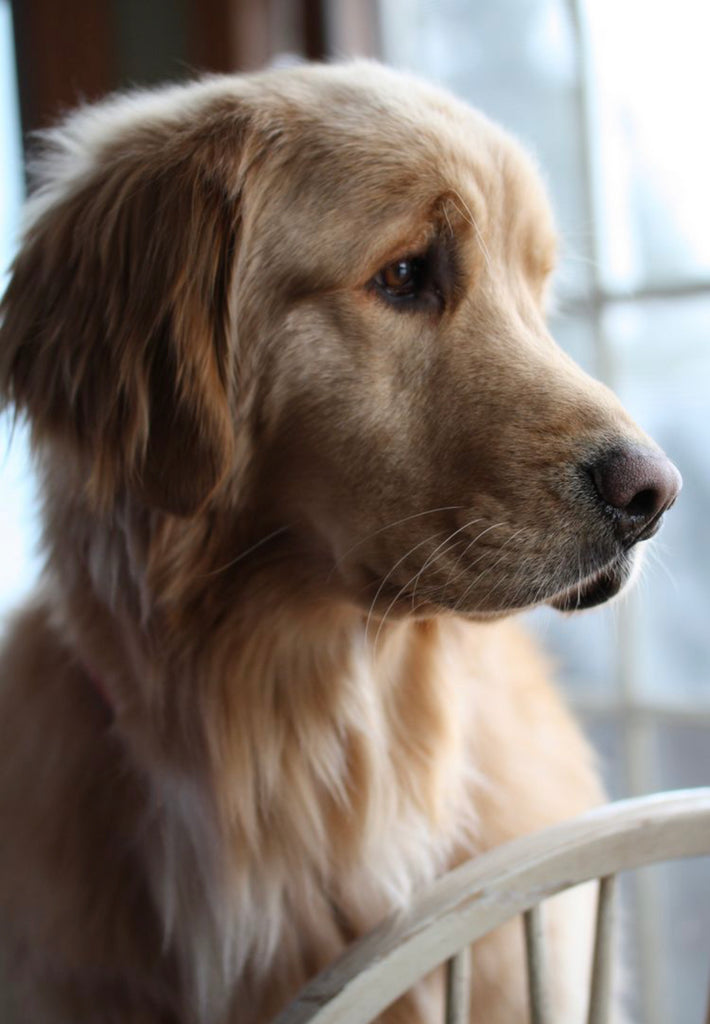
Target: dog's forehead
x=354, y=136
x=392, y=121
x=375, y=136
x=364, y=158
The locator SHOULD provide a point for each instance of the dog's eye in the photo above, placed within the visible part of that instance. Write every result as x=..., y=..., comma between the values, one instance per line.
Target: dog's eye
x=401, y=277
x=407, y=282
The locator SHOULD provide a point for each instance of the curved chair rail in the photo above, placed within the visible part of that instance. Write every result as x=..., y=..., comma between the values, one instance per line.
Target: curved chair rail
x=485, y=892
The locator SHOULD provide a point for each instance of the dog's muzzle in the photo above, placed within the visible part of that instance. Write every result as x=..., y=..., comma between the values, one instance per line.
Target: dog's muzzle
x=631, y=487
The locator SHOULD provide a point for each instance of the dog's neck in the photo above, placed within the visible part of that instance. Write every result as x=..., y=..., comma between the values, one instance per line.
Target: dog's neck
x=293, y=749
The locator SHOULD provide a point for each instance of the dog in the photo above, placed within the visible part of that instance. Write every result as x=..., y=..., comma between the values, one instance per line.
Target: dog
x=305, y=445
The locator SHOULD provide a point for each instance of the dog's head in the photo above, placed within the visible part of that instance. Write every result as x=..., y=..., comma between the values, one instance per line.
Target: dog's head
x=314, y=298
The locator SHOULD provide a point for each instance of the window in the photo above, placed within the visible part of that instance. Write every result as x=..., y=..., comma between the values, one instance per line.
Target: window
x=18, y=526
x=610, y=96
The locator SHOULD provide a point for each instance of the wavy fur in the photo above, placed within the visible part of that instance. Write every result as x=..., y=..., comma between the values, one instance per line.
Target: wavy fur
x=280, y=519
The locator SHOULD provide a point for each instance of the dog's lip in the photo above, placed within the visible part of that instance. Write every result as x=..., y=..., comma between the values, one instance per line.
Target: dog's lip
x=595, y=589
x=606, y=581
x=651, y=528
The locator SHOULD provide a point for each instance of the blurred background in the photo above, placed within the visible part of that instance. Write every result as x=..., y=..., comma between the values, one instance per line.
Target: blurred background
x=611, y=95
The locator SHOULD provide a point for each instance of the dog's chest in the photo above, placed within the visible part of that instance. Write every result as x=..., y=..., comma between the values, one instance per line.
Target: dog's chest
x=337, y=813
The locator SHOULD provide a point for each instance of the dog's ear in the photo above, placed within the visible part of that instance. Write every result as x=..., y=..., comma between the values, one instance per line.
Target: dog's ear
x=116, y=322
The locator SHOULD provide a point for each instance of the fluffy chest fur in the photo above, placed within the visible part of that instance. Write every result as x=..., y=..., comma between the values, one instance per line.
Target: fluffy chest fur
x=323, y=786
x=340, y=784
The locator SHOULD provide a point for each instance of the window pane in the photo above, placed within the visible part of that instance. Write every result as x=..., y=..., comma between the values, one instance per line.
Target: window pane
x=607, y=737
x=682, y=758
x=661, y=355
x=517, y=62
x=17, y=518
x=10, y=157
x=651, y=81
x=684, y=897
x=583, y=650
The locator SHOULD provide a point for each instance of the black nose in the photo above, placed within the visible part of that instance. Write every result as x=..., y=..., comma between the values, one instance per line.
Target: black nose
x=636, y=485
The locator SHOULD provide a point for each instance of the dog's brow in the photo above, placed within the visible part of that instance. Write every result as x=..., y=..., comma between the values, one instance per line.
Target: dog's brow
x=408, y=243
x=463, y=208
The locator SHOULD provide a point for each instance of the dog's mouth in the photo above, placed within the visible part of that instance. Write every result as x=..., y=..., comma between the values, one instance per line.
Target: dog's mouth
x=604, y=571
x=595, y=587
x=598, y=587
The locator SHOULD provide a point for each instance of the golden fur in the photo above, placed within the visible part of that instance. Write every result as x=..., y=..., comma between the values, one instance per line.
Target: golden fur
x=282, y=520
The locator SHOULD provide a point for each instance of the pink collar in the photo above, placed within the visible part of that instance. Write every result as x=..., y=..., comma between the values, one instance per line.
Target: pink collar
x=99, y=688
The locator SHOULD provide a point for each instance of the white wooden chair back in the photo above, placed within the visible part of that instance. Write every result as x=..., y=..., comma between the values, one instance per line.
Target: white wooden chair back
x=483, y=893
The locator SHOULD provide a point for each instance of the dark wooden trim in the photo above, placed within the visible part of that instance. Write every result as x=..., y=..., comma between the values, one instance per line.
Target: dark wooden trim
x=354, y=28
x=228, y=35
x=75, y=50
x=64, y=53
x=315, y=43
x=210, y=46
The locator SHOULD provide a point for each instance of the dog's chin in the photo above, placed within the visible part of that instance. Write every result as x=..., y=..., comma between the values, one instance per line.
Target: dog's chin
x=598, y=587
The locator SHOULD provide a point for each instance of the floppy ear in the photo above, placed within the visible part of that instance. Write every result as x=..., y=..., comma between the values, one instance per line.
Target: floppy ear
x=116, y=319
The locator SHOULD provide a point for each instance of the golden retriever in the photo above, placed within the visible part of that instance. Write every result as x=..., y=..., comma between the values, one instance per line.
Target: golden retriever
x=304, y=442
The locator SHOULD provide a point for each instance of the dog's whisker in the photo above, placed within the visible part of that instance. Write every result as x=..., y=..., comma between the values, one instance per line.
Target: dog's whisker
x=463, y=572
x=580, y=579
x=466, y=570
x=448, y=222
x=390, y=526
x=383, y=620
x=528, y=587
x=244, y=554
x=383, y=582
x=655, y=560
x=432, y=557
x=502, y=554
x=408, y=583
x=472, y=221
x=543, y=587
x=447, y=540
